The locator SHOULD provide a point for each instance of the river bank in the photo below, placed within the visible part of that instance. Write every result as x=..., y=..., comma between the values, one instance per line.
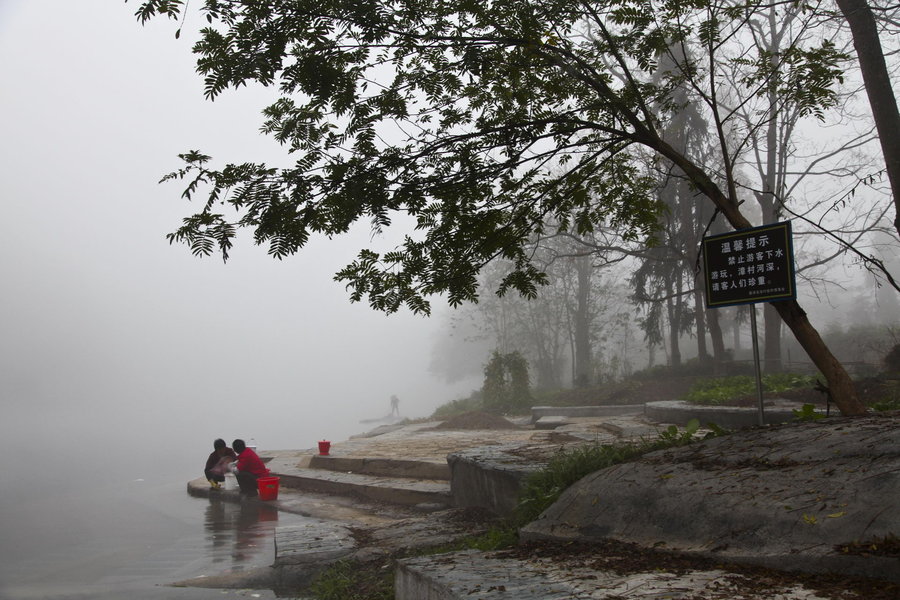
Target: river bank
x=398, y=532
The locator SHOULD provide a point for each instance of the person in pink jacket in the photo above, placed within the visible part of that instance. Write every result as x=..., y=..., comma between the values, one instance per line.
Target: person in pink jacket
x=247, y=468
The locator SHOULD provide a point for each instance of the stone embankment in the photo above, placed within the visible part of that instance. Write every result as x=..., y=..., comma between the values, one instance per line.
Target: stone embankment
x=814, y=497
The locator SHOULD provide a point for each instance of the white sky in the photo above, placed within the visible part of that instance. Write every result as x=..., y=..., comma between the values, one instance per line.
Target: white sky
x=101, y=321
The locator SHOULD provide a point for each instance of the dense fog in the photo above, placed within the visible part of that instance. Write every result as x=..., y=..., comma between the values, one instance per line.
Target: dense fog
x=121, y=353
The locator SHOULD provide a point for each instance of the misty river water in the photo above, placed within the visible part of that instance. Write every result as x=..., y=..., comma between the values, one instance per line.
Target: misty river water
x=129, y=538
x=80, y=523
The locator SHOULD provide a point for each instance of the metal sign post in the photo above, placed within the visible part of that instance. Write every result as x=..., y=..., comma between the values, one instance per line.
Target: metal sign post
x=746, y=267
x=757, y=372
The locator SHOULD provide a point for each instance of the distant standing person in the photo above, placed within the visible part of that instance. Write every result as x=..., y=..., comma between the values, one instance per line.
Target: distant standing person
x=395, y=406
x=217, y=463
x=247, y=468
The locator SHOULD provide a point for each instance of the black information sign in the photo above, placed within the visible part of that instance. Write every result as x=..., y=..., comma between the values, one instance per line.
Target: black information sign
x=750, y=265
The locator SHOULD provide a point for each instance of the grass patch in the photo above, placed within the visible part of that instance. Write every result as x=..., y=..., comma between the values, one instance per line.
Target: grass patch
x=886, y=404
x=497, y=538
x=350, y=580
x=543, y=488
x=885, y=396
x=715, y=392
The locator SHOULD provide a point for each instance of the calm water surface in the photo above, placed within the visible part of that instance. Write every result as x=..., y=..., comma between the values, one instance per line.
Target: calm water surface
x=127, y=539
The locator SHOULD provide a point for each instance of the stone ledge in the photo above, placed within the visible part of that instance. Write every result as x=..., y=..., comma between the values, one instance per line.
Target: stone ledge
x=728, y=417
x=551, y=422
x=488, y=477
x=394, y=490
x=613, y=410
x=384, y=467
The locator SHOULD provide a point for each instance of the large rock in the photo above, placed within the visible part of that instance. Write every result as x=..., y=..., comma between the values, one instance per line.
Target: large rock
x=804, y=496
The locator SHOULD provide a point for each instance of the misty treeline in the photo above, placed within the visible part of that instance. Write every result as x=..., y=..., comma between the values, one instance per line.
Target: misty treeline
x=593, y=325
x=628, y=127
x=610, y=307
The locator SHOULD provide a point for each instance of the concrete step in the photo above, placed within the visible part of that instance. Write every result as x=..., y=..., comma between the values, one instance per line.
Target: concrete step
x=295, y=471
x=499, y=576
x=395, y=490
x=473, y=574
x=728, y=417
x=305, y=550
x=383, y=467
x=611, y=410
x=551, y=422
x=338, y=508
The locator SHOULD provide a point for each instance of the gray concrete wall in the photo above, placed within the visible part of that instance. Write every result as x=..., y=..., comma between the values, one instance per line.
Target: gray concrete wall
x=727, y=417
x=411, y=583
x=385, y=467
x=585, y=411
x=488, y=478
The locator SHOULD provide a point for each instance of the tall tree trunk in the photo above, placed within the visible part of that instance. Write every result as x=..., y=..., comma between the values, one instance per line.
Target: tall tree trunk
x=699, y=318
x=772, y=328
x=718, y=342
x=878, y=88
x=582, y=318
x=674, y=330
x=544, y=365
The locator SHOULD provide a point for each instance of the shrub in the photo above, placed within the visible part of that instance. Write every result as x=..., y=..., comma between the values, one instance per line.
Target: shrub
x=725, y=389
x=887, y=398
x=543, y=488
x=506, y=382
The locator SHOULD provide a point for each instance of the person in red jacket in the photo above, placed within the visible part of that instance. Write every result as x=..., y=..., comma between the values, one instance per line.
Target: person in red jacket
x=247, y=468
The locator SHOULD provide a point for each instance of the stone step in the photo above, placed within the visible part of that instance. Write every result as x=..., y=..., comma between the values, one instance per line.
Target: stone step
x=727, y=417
x=305, y=550
x=395, y=490
x=471, y=574
x=295, y=471
x=551, y=422
x=383, y=467
x=612, y=410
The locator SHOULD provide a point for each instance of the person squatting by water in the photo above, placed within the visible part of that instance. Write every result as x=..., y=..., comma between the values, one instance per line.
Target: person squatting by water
x=217, y=463
x=247, y=468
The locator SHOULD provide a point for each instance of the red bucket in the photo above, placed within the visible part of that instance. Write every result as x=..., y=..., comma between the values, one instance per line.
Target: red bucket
x=268, y=488
x=324, y=447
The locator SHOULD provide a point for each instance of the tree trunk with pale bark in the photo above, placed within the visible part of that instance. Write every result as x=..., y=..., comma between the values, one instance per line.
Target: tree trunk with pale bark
x=877, y=82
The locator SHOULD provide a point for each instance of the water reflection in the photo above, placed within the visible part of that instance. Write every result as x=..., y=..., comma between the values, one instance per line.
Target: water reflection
x=130, y=540
x=239, y=532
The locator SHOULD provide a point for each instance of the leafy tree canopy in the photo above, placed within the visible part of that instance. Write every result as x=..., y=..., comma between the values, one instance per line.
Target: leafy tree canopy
x=482, y=120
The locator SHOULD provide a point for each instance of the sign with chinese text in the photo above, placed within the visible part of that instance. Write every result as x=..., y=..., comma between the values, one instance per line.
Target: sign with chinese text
x=750, y=265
